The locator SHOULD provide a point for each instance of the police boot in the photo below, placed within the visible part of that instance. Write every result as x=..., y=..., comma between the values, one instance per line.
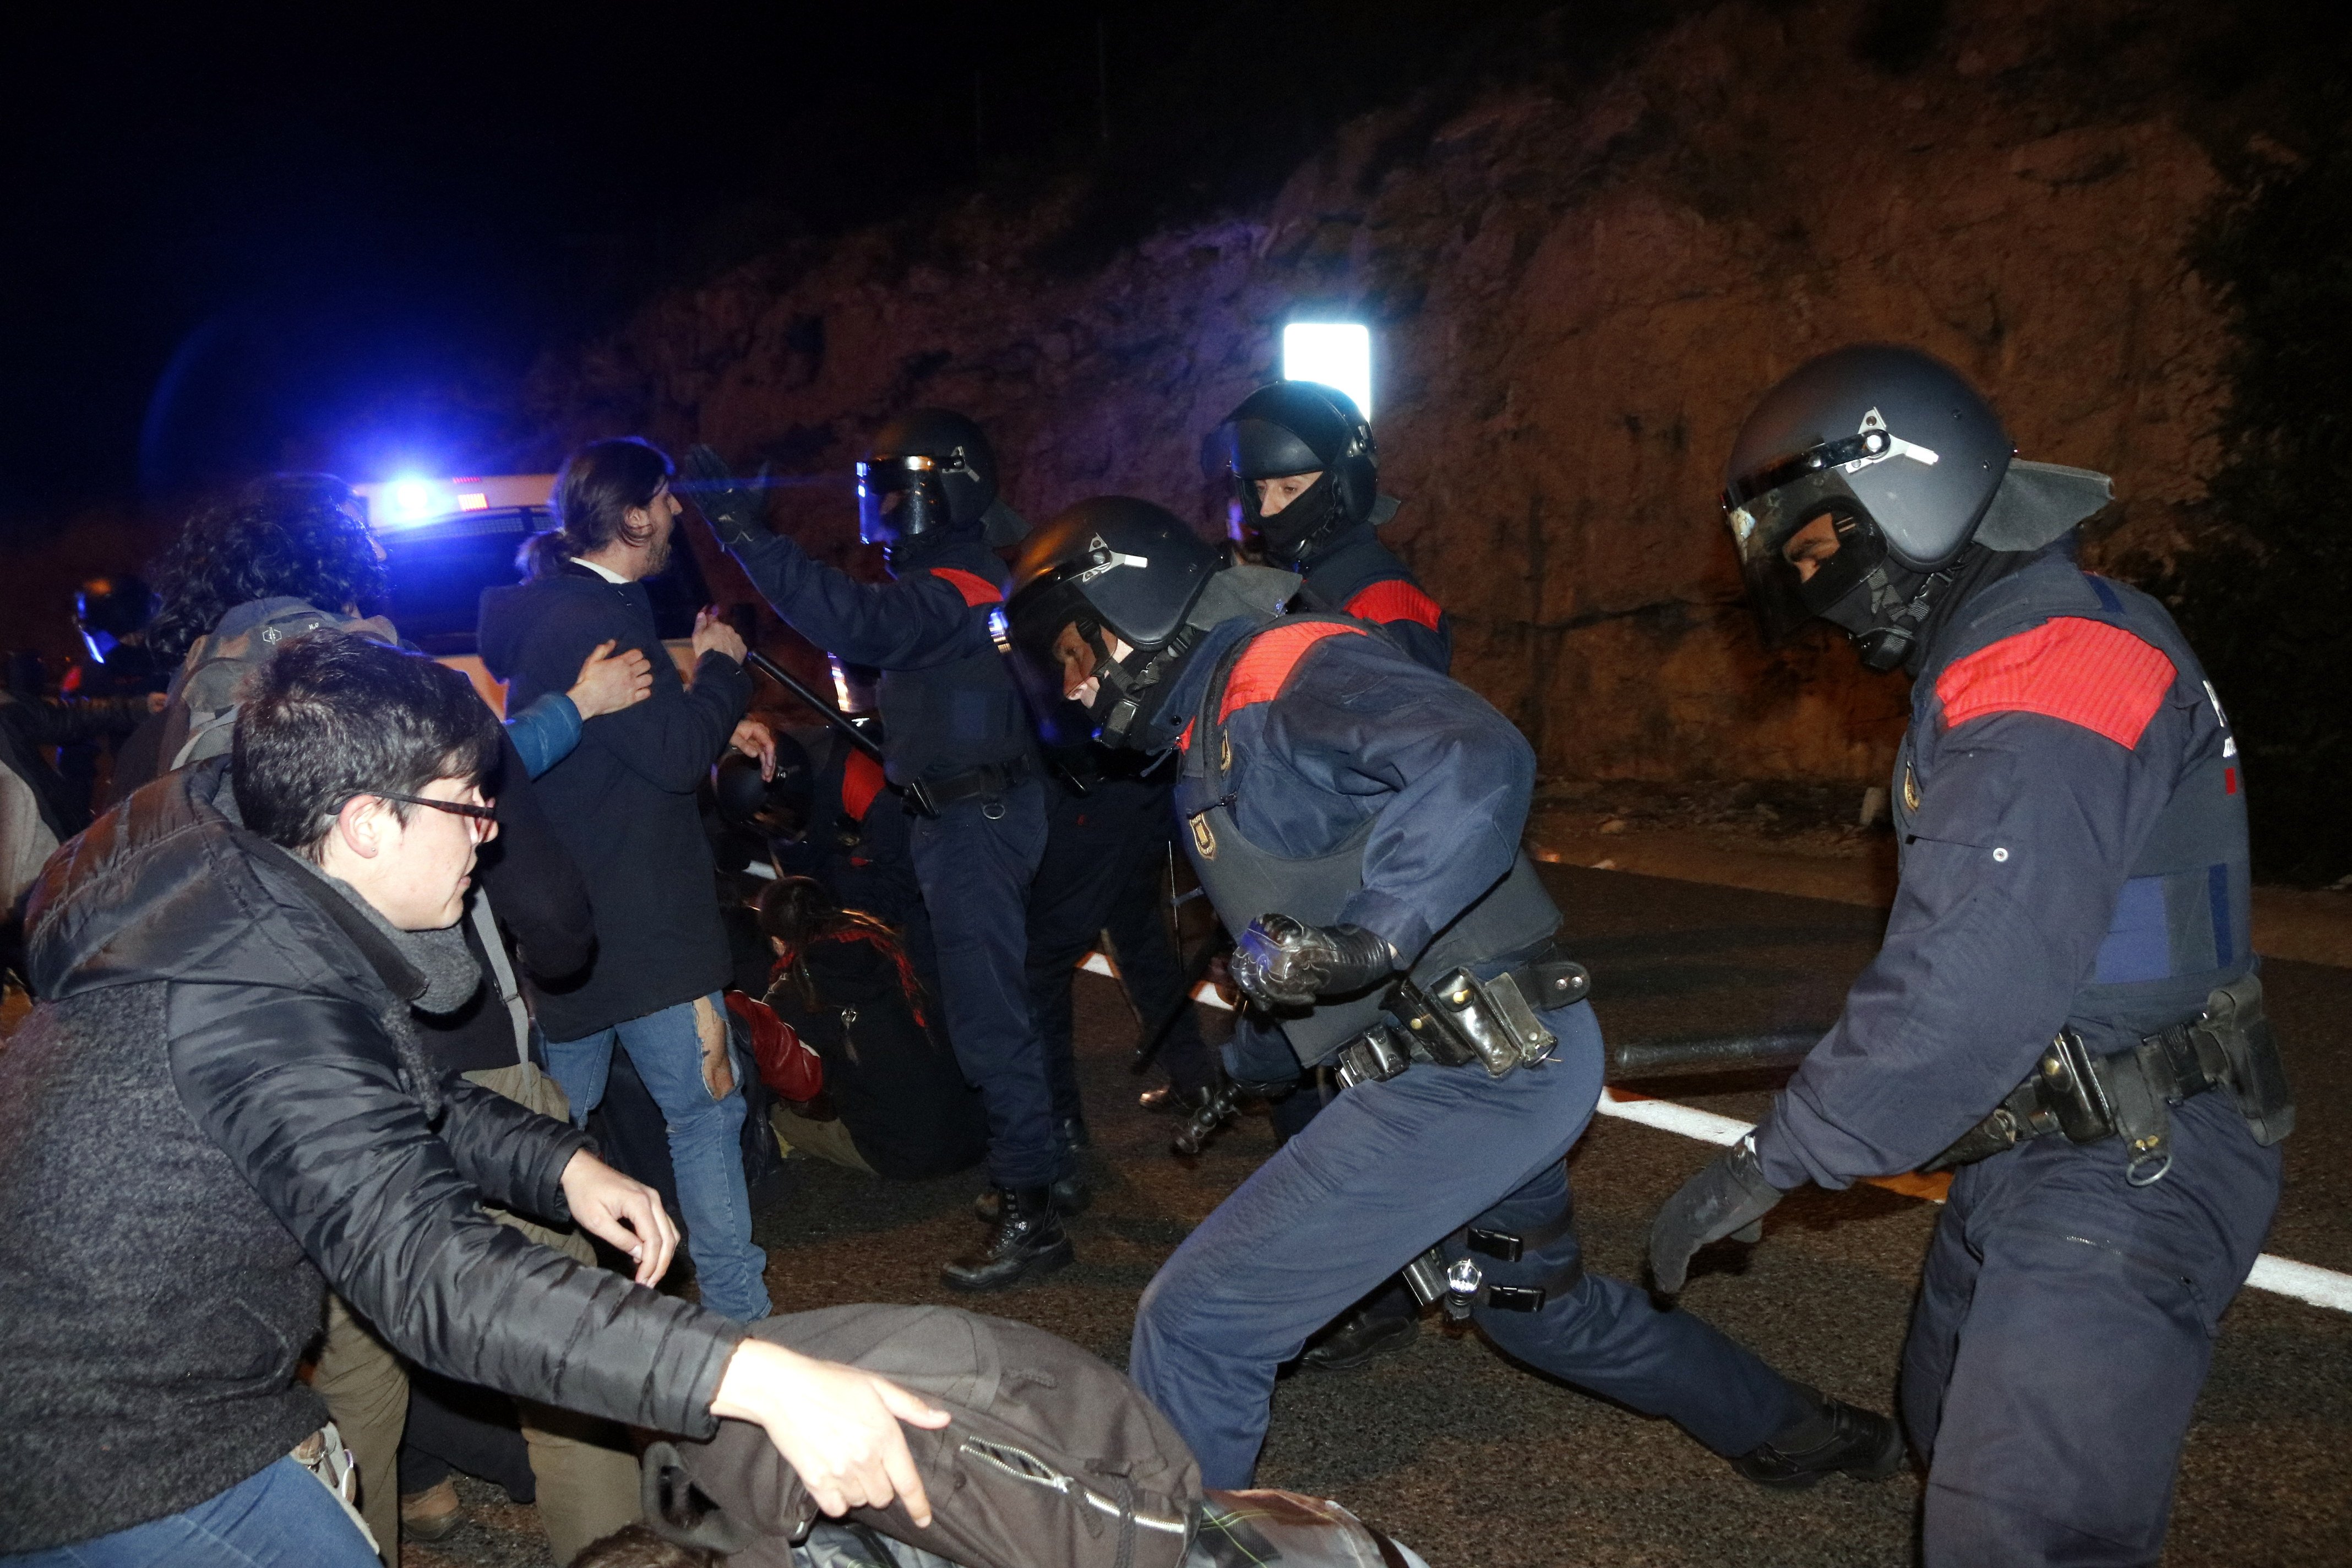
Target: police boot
x=1071, y=1195
x=1357, y=1338
x=1027, y=1241
x=1837, y=1437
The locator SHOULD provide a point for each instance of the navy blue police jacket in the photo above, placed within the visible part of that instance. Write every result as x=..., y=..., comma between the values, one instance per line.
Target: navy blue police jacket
x=1348, y=727
x=1358, y=576
x=948, y=705
x=2071, y=823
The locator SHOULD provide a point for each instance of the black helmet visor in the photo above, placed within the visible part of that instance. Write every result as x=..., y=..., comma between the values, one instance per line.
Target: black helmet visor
x=899, y=498
x=1802, y=547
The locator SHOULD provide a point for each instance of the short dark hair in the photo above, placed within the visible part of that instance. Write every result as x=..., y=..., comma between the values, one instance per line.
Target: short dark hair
x=296, y=536
x=595, y=491
x=635, y=1546
x=333, y=715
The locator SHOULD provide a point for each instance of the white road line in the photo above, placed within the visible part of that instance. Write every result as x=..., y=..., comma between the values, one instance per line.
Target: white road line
x=2279, y=1276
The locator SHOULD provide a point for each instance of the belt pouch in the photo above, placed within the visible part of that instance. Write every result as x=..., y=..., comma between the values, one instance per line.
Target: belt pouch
x=2235, y=1013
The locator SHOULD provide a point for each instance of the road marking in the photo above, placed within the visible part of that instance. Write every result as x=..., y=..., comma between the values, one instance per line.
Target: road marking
x=2279, y=1276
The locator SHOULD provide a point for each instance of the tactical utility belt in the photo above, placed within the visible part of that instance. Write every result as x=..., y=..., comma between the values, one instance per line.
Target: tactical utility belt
x=1462, y=1019
x=990, y=782
x=2129, y=1094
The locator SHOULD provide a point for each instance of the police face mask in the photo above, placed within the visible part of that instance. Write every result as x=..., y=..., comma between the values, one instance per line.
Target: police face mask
x=1293, y=531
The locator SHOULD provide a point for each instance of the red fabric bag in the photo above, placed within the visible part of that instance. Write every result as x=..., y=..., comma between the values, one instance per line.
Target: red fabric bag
x=786, y=1063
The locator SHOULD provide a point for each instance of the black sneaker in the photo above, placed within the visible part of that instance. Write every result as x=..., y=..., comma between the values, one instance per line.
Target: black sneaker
x=1028, y=1241
x=1841, y=1438
x=1356, y=1339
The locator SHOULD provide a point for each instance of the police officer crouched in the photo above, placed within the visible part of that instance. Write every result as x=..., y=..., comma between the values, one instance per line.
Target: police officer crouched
x=2065, y=1008
x=1355, y=819
x=959, y=747
x=1306, y=474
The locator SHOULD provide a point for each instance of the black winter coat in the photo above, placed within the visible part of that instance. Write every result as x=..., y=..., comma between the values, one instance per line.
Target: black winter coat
x=624, y=801
x=218, y=1109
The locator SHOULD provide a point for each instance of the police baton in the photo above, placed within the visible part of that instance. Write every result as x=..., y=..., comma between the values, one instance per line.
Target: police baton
x=809, y=694
x=1663, y=1058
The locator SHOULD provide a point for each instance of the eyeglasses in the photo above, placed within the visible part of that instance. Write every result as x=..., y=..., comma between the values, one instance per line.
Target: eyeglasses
x=481, y=820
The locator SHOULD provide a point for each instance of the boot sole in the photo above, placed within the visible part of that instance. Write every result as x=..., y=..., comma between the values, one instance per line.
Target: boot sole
x=438, y=1527
x=1058, y=1257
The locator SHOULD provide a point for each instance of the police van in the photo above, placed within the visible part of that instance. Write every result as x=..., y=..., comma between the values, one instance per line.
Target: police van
x=447, y=540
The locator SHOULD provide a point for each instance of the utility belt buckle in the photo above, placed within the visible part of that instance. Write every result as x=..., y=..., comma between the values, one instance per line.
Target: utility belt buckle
x=1462, y=1019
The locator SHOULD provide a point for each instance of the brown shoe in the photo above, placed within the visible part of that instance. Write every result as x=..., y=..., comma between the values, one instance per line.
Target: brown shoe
x=432, y=1513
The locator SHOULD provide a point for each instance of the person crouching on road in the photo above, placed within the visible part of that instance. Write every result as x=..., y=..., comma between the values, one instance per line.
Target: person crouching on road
x=623, y=804
x=219, y=1109
x=1355, y=818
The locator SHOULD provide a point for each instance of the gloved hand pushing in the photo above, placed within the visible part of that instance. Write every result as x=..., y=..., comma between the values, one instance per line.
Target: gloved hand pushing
x=1730, y=1197
x=735, y=509
x=1284, y=963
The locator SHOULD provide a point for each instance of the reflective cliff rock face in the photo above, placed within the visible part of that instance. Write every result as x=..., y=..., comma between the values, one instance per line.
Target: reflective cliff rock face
x=1575, y=298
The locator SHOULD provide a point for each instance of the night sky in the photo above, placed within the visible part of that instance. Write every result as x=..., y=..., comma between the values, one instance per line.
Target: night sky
x=335, y=241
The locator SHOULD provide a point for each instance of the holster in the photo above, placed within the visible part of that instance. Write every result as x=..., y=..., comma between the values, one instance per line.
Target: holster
x=2129, y=1094
x=1462, y=1019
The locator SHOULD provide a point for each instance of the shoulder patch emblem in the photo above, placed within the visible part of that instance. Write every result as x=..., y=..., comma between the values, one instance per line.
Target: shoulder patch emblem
x=1204, y=838
x=1910, y=788
x=2079, y=671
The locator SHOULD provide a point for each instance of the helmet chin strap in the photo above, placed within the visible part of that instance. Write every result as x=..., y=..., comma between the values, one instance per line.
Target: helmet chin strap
x=1124, y=686
x=1882, y=617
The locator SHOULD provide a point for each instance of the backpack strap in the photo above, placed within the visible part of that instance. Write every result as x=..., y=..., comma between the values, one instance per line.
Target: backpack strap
x=502, y=975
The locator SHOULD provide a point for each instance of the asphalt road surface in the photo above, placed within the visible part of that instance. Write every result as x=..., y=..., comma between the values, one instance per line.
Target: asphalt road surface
x=1479, y=1464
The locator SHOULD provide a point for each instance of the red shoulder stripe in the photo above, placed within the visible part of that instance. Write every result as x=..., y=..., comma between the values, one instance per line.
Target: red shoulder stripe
x=975, y=588
x=861, y=781
x=1268, y=661
x=2085, y=672
x=1395, y=600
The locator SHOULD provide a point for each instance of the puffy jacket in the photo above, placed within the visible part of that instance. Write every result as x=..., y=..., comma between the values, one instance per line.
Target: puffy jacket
x=219, y=1109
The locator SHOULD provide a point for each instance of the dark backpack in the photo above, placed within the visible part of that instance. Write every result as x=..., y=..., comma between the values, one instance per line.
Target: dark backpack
x=890, y=1077
x=1054, y=1459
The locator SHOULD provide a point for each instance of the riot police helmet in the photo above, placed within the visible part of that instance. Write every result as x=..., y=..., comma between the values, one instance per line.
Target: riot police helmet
x=931, y=474
x=1291, y=429
x=1102, y=594
x=775, y=808
x=1854, y=485
x=109, y=608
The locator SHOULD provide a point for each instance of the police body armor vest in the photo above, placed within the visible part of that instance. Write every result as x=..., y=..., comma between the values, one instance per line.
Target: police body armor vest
x=948, y=719
x=2180, y=924
x=1244, y=879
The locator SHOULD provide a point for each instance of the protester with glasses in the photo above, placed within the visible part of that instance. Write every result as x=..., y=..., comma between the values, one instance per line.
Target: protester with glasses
x=220, y=1107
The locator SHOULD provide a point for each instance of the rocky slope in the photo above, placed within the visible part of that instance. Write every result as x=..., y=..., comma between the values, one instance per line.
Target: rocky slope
x=1576, y=292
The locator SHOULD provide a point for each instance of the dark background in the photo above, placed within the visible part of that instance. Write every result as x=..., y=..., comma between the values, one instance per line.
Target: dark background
x=253, y=240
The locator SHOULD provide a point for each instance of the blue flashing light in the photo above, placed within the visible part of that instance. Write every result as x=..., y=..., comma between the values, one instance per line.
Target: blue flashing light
x=1335, y=354
x=411, y=500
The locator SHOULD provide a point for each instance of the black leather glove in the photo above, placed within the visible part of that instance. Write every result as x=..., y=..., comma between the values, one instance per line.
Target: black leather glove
x=1283, y=963
x=1730, y=1198
x=735, y=509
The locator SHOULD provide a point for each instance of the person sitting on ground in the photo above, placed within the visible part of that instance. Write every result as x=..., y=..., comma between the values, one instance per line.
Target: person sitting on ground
x=843, y=984
x=220, y=1109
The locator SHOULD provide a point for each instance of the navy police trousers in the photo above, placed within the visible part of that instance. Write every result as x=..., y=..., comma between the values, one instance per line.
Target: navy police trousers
x=1101, y=872
x=1385, y=1172
x=975, y=861
x=2064, y=1325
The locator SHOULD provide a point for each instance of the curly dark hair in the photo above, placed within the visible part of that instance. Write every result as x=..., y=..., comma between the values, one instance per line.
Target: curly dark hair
x=301, y=536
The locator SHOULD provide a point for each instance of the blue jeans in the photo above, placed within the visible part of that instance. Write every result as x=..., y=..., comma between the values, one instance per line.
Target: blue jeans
x=706, y=1141
x=975, y=870
x=277, y=1518
x=1386, y=1171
